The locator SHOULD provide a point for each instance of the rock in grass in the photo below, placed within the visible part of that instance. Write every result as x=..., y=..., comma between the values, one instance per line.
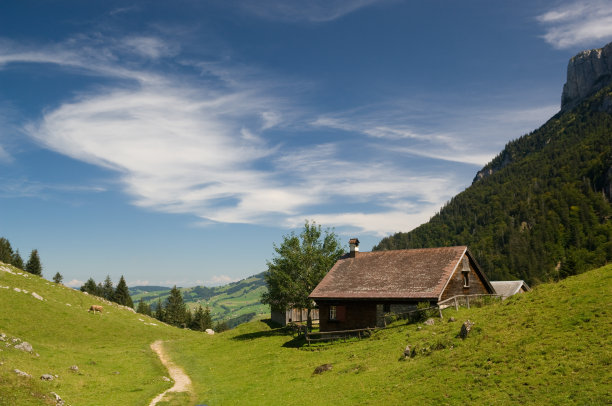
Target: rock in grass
x=24, y=346
x=74, y=368
x=210, y=331
x=408, y=353
x=451, y=320
x=322, y=368
x=58, y=399
x=430, y=322
x=47, y=377
x=21, y=373
x=465, y=329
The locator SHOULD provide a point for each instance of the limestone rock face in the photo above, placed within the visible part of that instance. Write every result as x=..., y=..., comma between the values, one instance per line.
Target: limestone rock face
x=587, y=72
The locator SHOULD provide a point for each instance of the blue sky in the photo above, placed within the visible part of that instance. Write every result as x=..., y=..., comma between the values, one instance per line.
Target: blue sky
x=175, y=142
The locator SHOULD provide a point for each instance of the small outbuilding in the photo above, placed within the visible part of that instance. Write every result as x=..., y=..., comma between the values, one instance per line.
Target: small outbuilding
x=362, y=287
x=284, y=317
x=509, y=288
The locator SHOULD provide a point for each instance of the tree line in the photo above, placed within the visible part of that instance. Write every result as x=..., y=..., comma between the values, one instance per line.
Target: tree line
x=175, y=312
x=8, y=256
x=106, y=290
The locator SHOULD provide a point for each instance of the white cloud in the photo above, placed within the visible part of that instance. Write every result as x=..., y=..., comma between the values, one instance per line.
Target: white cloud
x=311, y=11
x=220, y=280
x=75, y=283
x=578, y=23
x=182, y=145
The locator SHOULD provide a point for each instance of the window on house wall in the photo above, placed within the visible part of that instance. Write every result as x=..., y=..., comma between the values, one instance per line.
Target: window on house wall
x=333, y=312
x=466, y=279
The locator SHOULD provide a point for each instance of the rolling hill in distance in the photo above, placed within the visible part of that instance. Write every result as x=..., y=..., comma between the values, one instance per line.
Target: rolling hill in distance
x=234, y=303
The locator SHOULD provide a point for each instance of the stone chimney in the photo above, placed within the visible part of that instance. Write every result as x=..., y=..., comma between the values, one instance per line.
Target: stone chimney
x=354, y=244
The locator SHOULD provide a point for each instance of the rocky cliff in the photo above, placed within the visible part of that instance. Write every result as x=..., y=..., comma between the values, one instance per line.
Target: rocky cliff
x=587, y=72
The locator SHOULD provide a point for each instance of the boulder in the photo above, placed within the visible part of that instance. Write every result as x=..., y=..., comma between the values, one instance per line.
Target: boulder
x=465, y=329
x=210, y=331
x=322, y=368
x=47, y=377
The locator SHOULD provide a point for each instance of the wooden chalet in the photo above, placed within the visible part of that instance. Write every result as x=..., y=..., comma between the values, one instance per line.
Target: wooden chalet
x=362, y=287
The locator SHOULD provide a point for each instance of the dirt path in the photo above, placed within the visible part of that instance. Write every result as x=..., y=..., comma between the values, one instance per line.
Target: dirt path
x=182, y=383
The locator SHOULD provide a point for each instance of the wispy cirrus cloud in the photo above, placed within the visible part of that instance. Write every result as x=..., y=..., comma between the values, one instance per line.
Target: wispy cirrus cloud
x=229, y=146
x=180, y=144
x=310, y=11
x=578, y=23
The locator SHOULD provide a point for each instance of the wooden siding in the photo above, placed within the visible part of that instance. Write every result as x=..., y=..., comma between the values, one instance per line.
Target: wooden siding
x=455, y=284
x=357, y=314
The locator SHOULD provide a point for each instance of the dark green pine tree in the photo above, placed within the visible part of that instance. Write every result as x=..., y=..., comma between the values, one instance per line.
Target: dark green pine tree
x=201, y=319
x=159, y=311
x=143, y=308
x=107, y=289
x=122, y=294
x=175, y=311
x=90, y=287
x=6, y=251
x=17, y=260
x=33, y=266
x=58, y=278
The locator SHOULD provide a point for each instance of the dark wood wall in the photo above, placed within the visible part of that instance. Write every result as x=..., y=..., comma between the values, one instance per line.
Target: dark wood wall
x=455, y=284
x=357, y=314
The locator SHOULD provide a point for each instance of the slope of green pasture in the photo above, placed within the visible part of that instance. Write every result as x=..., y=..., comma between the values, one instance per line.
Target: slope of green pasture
x=111, y=350
x=549, y=346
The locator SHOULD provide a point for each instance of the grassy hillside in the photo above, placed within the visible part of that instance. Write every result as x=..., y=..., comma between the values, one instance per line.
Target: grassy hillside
x=111, y=350
x=238, y=301
x=542, y=209
x=550, y=346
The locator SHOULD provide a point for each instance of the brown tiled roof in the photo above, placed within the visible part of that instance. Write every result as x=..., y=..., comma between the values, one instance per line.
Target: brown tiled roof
x=398, y=274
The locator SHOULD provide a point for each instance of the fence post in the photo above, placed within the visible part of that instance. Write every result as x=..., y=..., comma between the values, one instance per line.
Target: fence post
x=467, y=298
x=440, y=310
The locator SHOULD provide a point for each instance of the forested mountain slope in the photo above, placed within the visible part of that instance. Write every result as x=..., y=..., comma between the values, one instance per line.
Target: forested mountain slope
x=541, y=209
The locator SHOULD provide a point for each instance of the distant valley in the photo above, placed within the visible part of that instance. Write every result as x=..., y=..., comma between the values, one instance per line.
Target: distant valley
x=234, y=303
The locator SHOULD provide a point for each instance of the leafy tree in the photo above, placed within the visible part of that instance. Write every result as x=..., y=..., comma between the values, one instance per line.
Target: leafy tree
x=108, y=292
x=122, y=294
x=175, y=312
x=299, y=265
x=58, y=278
x=6, y=251
x=17, y=260
x=33, y=266
x=143, y=308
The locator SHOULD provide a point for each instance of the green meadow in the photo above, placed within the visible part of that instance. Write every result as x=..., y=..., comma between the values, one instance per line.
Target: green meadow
x=549, y=346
